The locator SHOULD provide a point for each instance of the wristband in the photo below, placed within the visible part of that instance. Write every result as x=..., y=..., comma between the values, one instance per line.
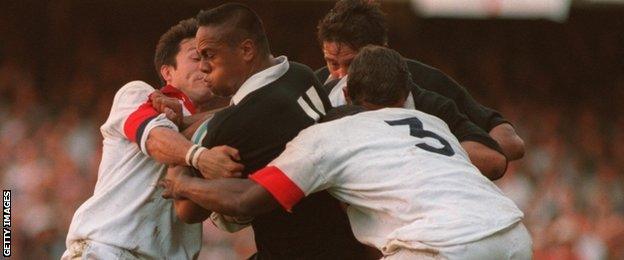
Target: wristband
x=195, y=159
x=189, y=154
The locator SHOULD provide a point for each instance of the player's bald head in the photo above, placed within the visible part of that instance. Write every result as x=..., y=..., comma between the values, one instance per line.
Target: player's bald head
x=236, y=22
x=378, y=76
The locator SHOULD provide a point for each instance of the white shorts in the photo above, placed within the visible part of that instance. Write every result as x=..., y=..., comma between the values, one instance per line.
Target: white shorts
x=513, y=242
x=88, y=250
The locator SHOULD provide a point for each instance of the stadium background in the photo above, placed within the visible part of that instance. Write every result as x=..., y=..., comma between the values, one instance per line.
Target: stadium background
x=560, y=83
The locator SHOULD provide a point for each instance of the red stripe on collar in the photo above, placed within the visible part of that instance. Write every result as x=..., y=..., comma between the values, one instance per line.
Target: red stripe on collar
x=174, y=92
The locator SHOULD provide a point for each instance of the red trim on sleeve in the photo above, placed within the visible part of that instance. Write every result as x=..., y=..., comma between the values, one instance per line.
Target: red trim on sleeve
x=134, y=121
x=172, y=91
x=284, y=190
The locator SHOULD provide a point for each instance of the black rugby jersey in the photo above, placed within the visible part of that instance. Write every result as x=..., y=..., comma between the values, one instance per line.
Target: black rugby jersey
x=259, y=126
x=430, y=78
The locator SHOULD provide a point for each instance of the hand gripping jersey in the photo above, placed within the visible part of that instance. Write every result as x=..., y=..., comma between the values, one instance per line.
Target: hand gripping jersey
x=127, y=210
x=404, y=175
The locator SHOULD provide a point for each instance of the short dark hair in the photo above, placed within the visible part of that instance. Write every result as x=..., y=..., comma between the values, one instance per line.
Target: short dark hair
x=169, y=43
x=378, y=75
x=244, y=22
x=355, y=22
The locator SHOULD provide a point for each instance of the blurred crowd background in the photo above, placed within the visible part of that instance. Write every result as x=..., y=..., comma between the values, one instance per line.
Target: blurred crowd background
x=561, y=84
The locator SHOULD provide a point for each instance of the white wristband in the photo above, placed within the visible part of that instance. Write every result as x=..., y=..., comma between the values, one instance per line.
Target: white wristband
x=189, y=154
x=196, y=157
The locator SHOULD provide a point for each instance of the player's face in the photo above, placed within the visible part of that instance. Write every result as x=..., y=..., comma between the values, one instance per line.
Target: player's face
x=224, y=65
x=187, y=76
x=338, y=57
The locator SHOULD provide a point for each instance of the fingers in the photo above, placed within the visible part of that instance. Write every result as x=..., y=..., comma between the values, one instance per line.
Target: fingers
x=232, y=152
x=155, y=94
x=167, y=195
x=219, y=162
x=171, y=115
x=166, y=184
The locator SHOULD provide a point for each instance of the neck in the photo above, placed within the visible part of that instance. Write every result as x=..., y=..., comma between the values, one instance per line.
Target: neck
x=263, y=63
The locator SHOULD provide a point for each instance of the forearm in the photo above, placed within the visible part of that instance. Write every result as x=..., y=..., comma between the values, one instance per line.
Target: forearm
x=509, y=141
x=189, y=212
x=490, y=163
x=196, y=119
x=167, y=146
x=233, y=197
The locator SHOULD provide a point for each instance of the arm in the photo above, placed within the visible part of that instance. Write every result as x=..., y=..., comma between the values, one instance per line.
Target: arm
x=170, y=147
x=483, y=151
x=167, y=146
x=490, y=163
x=486, y=118
x=234, y=197
x=186, y=210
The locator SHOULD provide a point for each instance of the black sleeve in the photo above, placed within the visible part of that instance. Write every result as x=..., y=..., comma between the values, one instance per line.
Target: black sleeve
x=484, y=117
x=444, y=108
x=434, y=80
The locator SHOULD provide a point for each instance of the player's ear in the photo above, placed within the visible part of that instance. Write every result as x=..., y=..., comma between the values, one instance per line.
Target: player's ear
x=165, y=73
x=249, y=49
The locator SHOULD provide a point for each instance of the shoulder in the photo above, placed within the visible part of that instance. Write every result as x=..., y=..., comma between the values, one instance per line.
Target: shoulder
x=300, y=69
x=134, y=86
x=431, y=78
x=132, y=91
x=417, y=67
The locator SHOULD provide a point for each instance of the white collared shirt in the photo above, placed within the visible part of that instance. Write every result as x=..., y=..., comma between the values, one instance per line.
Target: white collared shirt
x=127, y=210
x=261, y=79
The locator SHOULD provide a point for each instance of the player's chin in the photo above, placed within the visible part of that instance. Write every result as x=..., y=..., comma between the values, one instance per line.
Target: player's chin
x=221, y=92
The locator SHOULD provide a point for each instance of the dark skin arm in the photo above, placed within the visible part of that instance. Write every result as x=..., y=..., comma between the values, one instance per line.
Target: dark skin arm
x=233, y=197
x=509, y=141
x=186, y=210
x=491, y=163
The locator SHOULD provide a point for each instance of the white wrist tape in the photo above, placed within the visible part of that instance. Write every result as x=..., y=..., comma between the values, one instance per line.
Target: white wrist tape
x=189, y=154
x=195, y=159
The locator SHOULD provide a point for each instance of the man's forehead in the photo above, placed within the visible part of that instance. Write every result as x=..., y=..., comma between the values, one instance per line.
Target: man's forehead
x=211, y=34
x=188, y=44
x=206, y=35
x=337, y=49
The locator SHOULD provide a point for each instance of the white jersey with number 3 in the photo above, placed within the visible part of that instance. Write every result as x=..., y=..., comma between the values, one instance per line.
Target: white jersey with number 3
x=404, y=175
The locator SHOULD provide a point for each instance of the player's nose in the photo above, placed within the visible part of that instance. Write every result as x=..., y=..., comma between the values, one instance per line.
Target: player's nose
x=205, y=67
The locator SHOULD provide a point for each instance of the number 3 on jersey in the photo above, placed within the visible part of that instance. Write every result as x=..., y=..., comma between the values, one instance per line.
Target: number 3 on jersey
x=416, y=130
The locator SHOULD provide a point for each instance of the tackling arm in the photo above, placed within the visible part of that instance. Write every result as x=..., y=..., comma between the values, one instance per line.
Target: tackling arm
x=233, y=197
x=491, y=164
x=486, y=118
x=484, y=152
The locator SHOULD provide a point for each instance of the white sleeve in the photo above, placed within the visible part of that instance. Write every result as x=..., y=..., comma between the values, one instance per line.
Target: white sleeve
x=132, y=115
x=127, y=99
x=300, y=170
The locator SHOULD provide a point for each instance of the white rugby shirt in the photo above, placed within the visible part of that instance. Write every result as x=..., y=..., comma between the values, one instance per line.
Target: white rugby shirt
x=408, y=185
x=126, y=209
